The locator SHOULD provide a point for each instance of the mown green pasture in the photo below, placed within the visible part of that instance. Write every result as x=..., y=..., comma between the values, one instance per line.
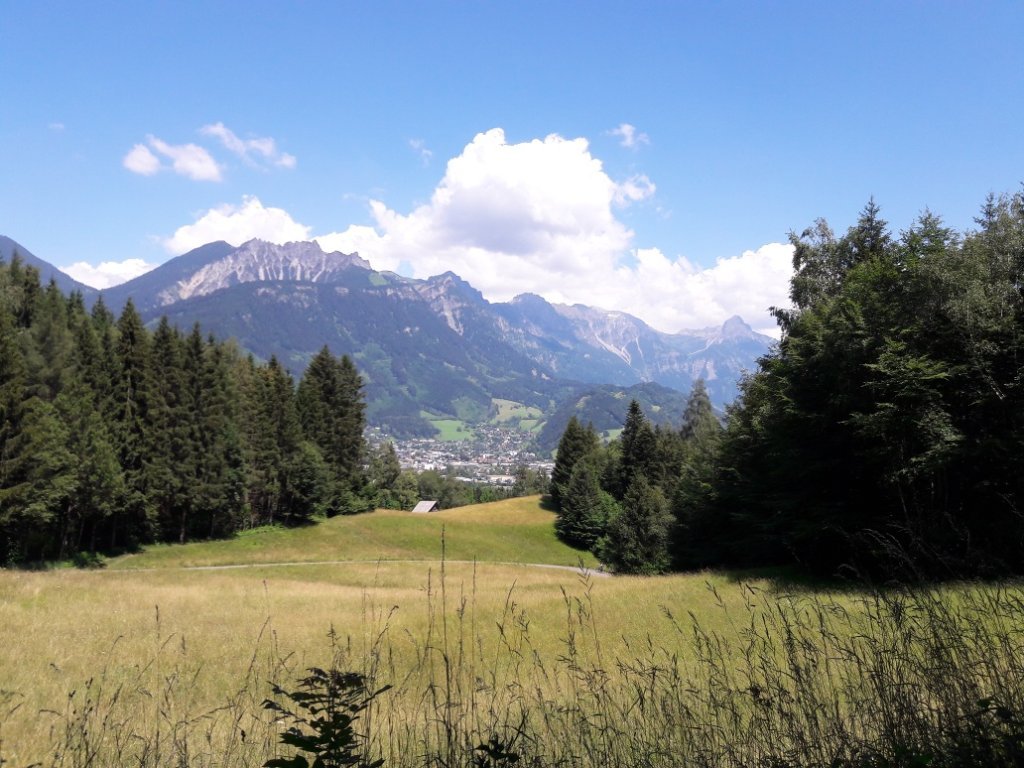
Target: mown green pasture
x=509, y=410
x=452, y=430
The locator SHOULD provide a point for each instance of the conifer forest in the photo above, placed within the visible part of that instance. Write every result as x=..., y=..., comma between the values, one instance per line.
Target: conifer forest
x=882, y=437
x=113, y=436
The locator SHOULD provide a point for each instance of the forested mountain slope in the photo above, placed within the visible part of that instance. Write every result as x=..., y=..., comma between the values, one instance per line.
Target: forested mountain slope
x=432, y=346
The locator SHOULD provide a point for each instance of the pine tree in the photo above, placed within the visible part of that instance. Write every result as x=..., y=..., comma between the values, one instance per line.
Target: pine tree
x=99, y=487
x=284, y=436
x=12, y=399
x=352, y=422
x=41, y=481
x=105, y=369
x=385, y=470
x=49, y=344
x=698, y=528
x=586, y=508
x=220, y=473
x=169, y=460
x=669, y=457
x=638, y=449
x=699, y=416
x=575, y=443
x=637, y=538
x=307, y=492
x=332, y=413
x=131, y=402
x=23, y=291
x=530, y=481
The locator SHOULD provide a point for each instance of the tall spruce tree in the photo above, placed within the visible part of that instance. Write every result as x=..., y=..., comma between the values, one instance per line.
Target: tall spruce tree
x=99, y=487
x=282, y=419
x=168, y=440
x=332, y=414
x=220, y=474
x=576, y=442
x=586, y=508
x=637, y=537
x=49, y=344
x=698, y=528
x=12, y=405
x=132, y=394
x=639, y=449
x=44, y=480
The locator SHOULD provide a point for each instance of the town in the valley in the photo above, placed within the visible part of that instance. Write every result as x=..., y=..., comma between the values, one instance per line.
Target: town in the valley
x=489, y=454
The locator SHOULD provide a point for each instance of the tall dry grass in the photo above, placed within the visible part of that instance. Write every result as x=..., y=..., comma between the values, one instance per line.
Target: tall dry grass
x=896, y=678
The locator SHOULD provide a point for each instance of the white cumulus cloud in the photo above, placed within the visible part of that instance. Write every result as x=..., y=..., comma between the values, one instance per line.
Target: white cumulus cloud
x=629, y=136
x=237, y=224
x=504, y=215
x=539, y=217
x=674, y=294
x=250, y=150
x=188, y=160
x=107, y=274
x=141, y=160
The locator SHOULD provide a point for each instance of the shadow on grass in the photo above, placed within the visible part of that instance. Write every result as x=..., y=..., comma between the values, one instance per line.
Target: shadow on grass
x=789, y=579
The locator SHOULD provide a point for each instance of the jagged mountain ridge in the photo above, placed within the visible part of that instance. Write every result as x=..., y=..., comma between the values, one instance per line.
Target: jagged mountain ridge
x=215, y=266
x=617, y=348
x=434, y=345
x=598, y=346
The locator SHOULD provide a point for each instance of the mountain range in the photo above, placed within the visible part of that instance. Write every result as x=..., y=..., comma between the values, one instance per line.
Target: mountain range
x=426, y=348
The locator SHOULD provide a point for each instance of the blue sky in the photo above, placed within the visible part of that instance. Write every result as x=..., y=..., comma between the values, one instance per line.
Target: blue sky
x=643, y=157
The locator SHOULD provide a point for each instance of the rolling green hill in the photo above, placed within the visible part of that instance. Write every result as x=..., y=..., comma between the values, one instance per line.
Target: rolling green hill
x=509, y=531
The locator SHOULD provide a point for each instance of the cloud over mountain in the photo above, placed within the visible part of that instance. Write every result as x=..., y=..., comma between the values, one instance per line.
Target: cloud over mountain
x=236, y=224
x=505, y=215
x=107, y=274
x=541, y=217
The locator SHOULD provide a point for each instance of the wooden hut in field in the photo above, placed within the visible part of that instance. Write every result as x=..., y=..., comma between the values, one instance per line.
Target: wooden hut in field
x=426, y=506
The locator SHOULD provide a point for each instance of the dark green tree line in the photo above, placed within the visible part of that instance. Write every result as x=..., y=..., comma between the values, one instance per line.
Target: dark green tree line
x=632, y=500
x=112, y=435
x=883, y=436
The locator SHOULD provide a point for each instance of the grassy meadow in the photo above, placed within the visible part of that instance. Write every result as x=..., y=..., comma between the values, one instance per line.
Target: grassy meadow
x=164, y=657
x=512, y=530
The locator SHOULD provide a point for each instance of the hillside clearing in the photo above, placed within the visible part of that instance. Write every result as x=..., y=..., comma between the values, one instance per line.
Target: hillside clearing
x=508, y=531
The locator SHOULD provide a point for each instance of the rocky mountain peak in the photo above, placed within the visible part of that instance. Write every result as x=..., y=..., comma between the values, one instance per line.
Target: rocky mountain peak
x=437, y=341
x=306, y=257
x=735, y=328
x=529, y=300
x=449, y=296
x=260, y=261
x=449, y=281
